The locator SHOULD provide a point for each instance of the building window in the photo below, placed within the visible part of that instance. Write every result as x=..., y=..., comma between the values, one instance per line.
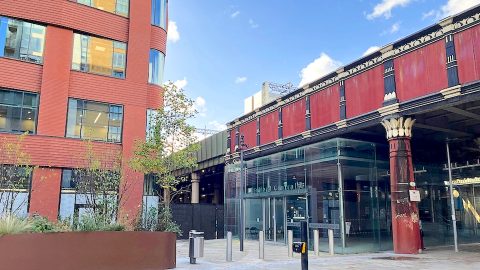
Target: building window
x=80, y=192
x=151, y=119
x=18, y=111
x=14, y=189
x=99, y=56
x=155, y=67
x=94, y=121
x=21, y=40
x=119, y=7
x=159, y=13
x=151, y=200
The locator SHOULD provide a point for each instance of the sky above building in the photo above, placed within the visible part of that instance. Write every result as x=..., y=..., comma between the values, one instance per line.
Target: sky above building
x=221, y=51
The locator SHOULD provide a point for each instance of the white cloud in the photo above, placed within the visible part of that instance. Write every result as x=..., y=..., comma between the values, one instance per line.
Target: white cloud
x=395, y=27
x=240, y=80
x=428, y=14
x=455, y=6
x=181, y=83
x=215, y=125
x=252, y=23
x=385, y=8
x=173, y=35
x=318, y=68
x=371, y=50
x=235, y=14
x=200, y=106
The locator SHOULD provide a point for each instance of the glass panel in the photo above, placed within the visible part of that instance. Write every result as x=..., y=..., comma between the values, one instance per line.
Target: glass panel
x=22, y=40
x=159, y=13
x=119, y=59
x=3, y=34
x=156, y=67
x=107, y=5
x=122, y=7
x=254, y=218
x=100, y=56
x=74, y=119
x=3, y=118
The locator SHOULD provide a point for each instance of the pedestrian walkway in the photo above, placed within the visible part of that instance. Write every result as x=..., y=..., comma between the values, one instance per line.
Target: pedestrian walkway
x=276, y=258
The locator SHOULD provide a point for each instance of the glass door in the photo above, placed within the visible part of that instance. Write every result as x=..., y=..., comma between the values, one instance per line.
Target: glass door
x=279, y=218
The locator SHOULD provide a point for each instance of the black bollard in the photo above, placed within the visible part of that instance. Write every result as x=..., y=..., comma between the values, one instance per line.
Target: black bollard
x=304, y=237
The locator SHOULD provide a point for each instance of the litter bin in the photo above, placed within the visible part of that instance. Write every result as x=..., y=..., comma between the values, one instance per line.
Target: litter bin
x=196, y=245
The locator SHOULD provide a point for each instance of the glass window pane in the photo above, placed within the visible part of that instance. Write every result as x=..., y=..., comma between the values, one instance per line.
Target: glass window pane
x=119, y=59
x=155, y=67
x=159, y=13
x=3, y=118
x=94, y=120
x=3, y=34
x=12, y=43
x=28, y=120
x=107, y=5
x=100, y=52
x=122, y=7
x=22, y=40
x=17, y=114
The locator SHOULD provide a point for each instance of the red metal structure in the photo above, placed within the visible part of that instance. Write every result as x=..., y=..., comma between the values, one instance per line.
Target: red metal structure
x=56, y=81
x=435, y=68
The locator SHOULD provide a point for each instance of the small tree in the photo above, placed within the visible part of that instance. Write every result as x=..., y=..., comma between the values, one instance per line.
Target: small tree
x=15, y=174
x=99, y=183
x=170, y=144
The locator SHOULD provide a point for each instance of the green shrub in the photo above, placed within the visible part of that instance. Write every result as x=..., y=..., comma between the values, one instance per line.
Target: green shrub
x=11, y=224
x=166, y=222
x=43, y=225
x=91, y=223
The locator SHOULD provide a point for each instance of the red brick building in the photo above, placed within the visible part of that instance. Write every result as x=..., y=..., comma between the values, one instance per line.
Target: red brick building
x=74, y=70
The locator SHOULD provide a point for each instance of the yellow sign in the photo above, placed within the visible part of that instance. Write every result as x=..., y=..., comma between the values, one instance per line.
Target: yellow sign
x=466, y=181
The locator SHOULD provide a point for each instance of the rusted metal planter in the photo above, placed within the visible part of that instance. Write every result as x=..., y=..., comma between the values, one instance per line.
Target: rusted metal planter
x=88, y=251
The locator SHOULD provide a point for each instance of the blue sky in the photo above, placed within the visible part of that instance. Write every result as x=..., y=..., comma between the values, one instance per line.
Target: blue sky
x=220, y=51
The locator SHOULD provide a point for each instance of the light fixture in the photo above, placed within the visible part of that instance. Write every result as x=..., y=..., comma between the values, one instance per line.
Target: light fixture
x=96, y=119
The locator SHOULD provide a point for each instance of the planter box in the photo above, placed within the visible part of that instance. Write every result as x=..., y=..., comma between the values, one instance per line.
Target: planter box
x=88, y=251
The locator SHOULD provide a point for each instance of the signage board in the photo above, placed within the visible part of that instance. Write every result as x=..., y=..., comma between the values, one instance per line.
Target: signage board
x=414, y=195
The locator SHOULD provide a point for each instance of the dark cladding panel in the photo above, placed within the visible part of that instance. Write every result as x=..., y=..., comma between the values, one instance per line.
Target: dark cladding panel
x=269, y=127
x=293, y=116
x=421, y=72
x=324, y=107
x=249, y=131
x=364, y=92
x=467, y=48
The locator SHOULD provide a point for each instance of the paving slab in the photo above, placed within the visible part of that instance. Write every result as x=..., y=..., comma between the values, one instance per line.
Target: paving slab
x=276, y=258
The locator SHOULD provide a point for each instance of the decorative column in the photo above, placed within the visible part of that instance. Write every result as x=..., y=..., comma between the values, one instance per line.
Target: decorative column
x=195, y=198
x=405, y=218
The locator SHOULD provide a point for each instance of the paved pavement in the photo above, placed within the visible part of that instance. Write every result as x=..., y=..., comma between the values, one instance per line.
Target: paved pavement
x=276, y=258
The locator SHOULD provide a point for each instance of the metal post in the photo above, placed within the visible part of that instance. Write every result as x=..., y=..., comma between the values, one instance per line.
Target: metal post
x=261, y=247
x=304, y=238
x=331, y=248
x=290, y=243
x=242, y=183
x=340, y=198
x=316, y=242
x=452, y=205
x=229, y=246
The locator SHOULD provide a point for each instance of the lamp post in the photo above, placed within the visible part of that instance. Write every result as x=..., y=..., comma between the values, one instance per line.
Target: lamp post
x=452, y=203
x=241, y=235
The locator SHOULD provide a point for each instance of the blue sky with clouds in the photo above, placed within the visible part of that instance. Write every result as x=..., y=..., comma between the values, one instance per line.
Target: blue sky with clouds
x=221, y=51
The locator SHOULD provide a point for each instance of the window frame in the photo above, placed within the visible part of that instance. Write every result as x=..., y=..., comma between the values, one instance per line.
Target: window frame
x=22, y=107
x=114, y=13
x=84, y=55
x=110, y=105
x=3, y=43
x=153, y=15
x=150, y=74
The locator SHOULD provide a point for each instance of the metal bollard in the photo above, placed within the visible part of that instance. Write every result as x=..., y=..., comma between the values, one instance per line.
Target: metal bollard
x=229, y=246
x=330, y=242
x=316, y=242
x=290, y=243
x=261, y=252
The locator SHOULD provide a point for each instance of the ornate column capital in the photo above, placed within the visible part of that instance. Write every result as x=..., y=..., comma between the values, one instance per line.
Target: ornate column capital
x=398, y=127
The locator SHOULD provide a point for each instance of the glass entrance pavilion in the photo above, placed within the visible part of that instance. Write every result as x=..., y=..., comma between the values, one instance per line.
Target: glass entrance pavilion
x=344, y=185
